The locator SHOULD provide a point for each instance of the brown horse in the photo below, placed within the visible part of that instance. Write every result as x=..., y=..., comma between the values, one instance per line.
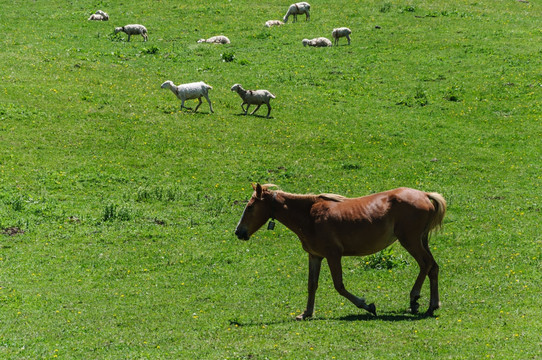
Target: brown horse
x=331, y=226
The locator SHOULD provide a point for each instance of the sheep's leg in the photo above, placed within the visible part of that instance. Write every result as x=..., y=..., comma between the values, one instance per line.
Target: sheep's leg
x=129, y=37
x=257, y=107
x=246, y=111
x=196, y=109
x=268, y=110
x=209, y=101
x=145, y=37
x=348, y=38
x=182, y=105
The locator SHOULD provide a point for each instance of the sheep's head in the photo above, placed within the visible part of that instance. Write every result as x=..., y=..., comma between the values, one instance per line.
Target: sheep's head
x=167, y=85
x=201, y=41
x=305, y=42
x=236, y=87
x=118, y=30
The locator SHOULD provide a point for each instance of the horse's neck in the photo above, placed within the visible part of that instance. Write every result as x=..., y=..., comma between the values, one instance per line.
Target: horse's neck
x=294, y=211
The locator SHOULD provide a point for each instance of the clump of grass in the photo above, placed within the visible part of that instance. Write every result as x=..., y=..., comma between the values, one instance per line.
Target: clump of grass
x=453, y=93
x=114, y=212
x=228, y=56
x=349, y=166
x=17, y=204
x=409, y=8
x=385, y=260
x=386, y=7
x=151, y=50
x=418, y=99
x=158, y=193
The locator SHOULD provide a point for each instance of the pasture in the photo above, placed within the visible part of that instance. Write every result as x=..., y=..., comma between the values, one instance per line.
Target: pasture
x=118, y=210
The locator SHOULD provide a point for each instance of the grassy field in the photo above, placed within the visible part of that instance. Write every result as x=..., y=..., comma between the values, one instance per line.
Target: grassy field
x=117, y=209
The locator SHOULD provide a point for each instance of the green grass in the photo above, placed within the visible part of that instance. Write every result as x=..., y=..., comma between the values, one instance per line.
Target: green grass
x=117, y=210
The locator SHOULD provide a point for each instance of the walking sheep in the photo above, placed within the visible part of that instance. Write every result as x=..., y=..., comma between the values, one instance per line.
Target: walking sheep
x=298, y=8
x=221, y=39
x=318, y=42
x=99, y=15
x=253, y=97
x=195, y=90
x=339, y=33
x=134, y=29
x=270, y=23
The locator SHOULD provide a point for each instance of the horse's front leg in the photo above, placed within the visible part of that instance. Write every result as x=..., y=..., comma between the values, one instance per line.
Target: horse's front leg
x=336, y=270
x=315, y=263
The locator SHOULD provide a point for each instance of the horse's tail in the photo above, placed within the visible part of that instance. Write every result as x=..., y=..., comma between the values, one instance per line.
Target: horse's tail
x=440, y=209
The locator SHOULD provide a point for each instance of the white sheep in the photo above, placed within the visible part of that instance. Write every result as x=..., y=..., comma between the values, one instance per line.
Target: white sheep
x=339, y=33
x=99, y=15
x=220, y=39
x=298, y=8
x=253, y=97
x=133, y=29
x=270, y=23
x=195, y=90
x=318, y=42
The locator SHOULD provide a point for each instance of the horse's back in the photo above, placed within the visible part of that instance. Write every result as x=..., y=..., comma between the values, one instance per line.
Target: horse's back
x=367, y=224
x=384, y=209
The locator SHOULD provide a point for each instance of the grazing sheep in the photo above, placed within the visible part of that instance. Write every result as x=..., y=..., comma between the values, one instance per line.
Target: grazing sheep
x=221, y=39
x=134, y=29
x=298, y=8
x=270, y=23
x=195, y=90
x=99, y=15
x=318, y=42
x=339, y=33
x=253, y=97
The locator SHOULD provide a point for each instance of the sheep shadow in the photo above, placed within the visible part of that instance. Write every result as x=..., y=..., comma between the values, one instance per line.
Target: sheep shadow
x=255, y=115
x=189, y=110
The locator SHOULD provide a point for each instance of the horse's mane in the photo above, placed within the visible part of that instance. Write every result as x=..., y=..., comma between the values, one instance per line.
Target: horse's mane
x=325, y=196
x=267, y=186
x=332, y=197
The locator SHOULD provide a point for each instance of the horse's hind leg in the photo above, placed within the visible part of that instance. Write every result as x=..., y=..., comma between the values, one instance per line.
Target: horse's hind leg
x=428, y=267
x=434, y=303
x=335, y=268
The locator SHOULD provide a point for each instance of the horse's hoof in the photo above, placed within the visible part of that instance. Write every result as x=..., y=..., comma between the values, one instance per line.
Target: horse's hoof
x=371, y=308
x=414, y=308
x=302, y=317
x=429, y=313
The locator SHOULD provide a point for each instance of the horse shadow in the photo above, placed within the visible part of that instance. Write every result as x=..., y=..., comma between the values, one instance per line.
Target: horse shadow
x=387, y=317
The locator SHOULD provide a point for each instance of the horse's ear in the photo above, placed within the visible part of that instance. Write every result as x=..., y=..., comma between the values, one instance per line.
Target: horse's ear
x=259, y=190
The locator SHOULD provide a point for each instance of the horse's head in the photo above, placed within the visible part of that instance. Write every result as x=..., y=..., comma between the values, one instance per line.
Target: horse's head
x=258, y=210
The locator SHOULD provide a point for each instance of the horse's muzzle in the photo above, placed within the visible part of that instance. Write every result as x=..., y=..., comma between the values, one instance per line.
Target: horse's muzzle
x=242, y=234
